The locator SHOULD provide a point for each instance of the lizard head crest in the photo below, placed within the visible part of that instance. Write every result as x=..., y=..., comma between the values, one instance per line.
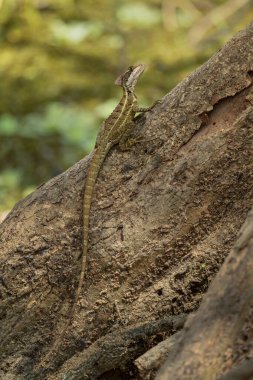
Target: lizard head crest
x=129, y=78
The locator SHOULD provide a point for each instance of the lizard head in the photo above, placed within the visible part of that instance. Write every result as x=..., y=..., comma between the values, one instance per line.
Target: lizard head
x=129, y=78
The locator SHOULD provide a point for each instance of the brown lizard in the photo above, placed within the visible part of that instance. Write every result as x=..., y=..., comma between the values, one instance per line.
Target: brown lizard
x=115, y=130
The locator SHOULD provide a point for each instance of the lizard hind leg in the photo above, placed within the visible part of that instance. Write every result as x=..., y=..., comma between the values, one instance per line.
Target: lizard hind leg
x=127, y=141
x=127, y=144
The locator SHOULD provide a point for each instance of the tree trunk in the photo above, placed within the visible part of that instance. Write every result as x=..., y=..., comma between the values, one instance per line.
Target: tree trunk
x=164, y=217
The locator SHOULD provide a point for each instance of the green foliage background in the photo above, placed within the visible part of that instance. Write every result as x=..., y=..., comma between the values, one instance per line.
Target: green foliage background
x=59, y=59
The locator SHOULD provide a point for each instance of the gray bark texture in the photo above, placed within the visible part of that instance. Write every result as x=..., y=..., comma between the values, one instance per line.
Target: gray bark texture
x=164, y=217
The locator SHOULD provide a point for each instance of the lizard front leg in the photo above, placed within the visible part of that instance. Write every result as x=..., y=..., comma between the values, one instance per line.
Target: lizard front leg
x=126, y=142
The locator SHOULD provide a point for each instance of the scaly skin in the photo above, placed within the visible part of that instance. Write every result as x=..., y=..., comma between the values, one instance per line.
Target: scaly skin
x=115, y=130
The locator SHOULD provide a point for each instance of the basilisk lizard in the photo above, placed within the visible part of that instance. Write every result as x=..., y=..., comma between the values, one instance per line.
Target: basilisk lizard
x=115, y=130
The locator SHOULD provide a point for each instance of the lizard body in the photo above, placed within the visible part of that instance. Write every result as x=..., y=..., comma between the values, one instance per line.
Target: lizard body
x=115, y=130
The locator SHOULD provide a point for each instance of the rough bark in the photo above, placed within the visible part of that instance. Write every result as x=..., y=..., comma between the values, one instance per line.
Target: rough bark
x=152, y=360
x=164, y=217
x=116, y=349
x=212, y=338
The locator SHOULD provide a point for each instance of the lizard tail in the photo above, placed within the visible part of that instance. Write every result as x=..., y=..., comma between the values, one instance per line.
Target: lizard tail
x=94, y=167
x=92, y=173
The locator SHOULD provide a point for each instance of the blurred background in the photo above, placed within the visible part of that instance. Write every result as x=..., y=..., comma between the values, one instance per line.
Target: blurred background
x=59, y=60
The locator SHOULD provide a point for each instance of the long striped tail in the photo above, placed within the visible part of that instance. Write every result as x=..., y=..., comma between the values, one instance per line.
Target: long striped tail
x=93, y=170
x=95, y=165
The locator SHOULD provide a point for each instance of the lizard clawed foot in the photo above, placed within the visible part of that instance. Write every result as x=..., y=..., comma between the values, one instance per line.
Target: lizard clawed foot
x=127, y=144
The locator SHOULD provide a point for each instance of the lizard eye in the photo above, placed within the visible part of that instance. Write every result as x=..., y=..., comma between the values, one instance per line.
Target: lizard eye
x=130, y=70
